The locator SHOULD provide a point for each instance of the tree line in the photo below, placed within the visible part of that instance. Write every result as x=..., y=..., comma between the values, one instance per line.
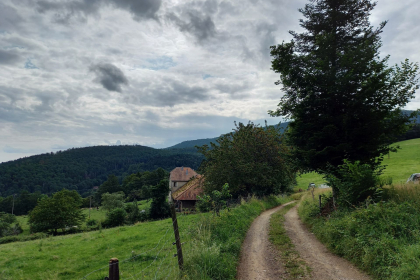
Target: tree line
x=81, y=169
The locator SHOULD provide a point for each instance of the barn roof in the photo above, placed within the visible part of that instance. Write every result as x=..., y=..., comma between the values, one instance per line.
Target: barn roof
x=190, y=190
x=182, y=174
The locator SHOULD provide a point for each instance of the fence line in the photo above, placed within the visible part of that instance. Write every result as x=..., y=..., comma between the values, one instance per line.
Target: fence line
x=164, y=244
x=164, y=241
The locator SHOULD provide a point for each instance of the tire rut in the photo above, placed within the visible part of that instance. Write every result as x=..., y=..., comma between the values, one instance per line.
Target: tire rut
x=324, y=264
x=259, y=259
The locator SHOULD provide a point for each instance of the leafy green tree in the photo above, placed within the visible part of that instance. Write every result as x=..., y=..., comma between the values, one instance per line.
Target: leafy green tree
x=115, y=217
x=159, y=208
x=60, y=211
x=251, y=159
x=111, y=185
x=343, y=99
x=111, y=201
x=6, y=227
x=216, y=200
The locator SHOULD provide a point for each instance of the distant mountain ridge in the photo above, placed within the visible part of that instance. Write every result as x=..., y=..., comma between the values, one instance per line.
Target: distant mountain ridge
x=207, y=141
x=83, y=168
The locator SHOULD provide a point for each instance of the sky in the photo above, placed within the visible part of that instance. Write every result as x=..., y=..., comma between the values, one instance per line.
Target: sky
x=77, y=73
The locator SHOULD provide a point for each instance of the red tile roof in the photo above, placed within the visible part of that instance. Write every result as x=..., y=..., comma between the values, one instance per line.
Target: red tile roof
x=182, y=174
x=190, y=190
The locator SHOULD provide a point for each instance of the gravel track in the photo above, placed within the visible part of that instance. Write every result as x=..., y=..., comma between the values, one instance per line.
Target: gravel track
x=260, y=260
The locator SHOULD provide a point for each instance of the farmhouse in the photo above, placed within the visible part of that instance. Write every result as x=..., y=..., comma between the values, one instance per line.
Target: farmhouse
x=186, y=196
x=184, y=184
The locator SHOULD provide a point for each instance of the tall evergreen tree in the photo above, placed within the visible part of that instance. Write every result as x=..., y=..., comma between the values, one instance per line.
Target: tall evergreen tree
x=343, y=99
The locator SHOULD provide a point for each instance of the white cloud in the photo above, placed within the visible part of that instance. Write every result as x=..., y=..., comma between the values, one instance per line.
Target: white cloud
x=175, y=70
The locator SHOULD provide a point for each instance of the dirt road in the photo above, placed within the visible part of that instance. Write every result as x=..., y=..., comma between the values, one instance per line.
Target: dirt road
x=259, y=259
x=324, y=265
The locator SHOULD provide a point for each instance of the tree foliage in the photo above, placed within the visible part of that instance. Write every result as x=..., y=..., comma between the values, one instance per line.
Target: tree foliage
x=251, y=159
x=6, y=224
x=60, y=211
x=111, y=201
x=84, y=168
x=159, y=208
x=343, y=99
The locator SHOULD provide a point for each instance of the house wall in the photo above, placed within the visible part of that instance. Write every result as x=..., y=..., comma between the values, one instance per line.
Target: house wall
x=174, y=186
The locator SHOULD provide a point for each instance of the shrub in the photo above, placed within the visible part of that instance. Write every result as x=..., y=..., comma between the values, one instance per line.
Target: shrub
x=354, y=183
x=115, y=218
x=134, y=214
x=91, y=223
x=6, y=221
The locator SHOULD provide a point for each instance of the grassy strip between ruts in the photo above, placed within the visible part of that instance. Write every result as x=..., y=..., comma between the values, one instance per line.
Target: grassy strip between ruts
x=294, y=266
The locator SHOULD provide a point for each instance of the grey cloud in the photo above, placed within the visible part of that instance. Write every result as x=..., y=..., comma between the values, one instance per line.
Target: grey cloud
x=141, y=9
x=8, y=57
x=167, y=93
x=9, y=18
x=197, y=24
x=110, y=76
x=64, y=12
x=196, y=19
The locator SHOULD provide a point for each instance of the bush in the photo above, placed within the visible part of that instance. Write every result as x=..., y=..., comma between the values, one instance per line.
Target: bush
x=354, y=183
x=115, y=218
x=134, y=214
x=6, y=221
x=92, y=223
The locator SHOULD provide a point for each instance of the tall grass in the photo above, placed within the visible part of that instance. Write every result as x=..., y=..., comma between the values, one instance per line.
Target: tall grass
x=408, y=192
x=217, y=240
x=380, y=238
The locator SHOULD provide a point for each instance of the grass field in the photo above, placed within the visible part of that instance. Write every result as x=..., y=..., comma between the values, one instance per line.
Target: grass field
x=405, y=162
x=399, y=165
x=211, y=247
x=74, y=256
x=98, y=215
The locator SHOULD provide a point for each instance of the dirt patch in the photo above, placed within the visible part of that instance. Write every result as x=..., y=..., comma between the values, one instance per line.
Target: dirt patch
x=259, y=259
x=324, y=265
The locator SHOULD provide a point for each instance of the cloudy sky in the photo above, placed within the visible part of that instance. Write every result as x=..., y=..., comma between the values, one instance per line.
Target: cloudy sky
x=76, y=73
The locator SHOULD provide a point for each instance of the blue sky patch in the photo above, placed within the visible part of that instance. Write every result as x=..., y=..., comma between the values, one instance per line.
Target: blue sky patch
x=159, y=63
x=30, y=65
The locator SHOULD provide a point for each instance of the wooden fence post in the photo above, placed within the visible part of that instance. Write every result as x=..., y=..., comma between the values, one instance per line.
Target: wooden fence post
x=114, y=271
x=320, y=203
x=177, y=239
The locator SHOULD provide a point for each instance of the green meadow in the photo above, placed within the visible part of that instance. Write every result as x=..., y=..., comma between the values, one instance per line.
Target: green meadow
x=98, y=215
x=141, y=248
x=399, y=165
x=211, y=247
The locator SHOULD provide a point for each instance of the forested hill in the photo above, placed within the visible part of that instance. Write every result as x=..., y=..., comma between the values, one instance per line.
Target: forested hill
x=84, y=168
x=201, y=142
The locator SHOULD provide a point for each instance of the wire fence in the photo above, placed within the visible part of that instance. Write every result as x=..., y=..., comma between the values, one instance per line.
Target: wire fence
x=160, y=261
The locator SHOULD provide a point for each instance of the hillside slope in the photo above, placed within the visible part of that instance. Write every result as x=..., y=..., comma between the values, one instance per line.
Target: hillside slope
x=84, y=168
